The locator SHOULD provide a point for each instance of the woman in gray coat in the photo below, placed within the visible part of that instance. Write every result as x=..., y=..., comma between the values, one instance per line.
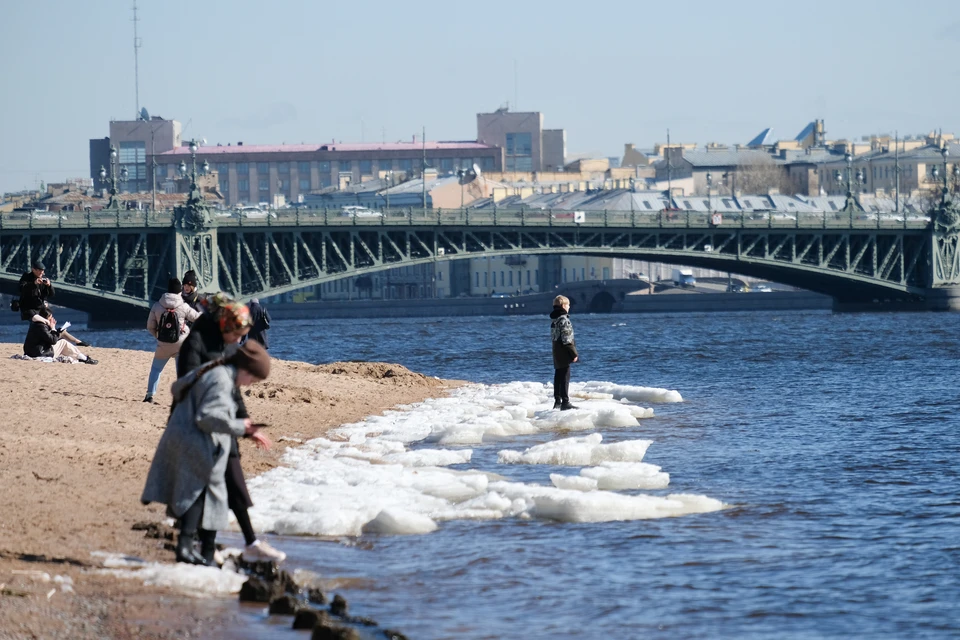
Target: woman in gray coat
x=187, y=473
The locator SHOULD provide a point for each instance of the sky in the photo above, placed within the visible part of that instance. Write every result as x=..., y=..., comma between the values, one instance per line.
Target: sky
x=609, y=72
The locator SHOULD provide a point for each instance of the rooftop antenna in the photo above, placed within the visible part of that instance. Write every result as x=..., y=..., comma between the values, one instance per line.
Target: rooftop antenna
x=136, y=57
x=516, y=84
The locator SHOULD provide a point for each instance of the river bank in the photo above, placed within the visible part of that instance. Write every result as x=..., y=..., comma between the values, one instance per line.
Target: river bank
x=74, y=452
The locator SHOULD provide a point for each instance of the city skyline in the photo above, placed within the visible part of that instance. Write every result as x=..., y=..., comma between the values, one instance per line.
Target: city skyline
x=366, y=73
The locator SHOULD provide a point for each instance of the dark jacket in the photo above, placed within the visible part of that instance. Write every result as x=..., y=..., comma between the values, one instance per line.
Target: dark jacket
x=40, y=339
x=205, y=343
x=32, y=295
x=192, y=301
x=260, y=318
x=561, y=334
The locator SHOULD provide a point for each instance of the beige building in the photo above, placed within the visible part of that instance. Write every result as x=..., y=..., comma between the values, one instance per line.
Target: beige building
x=525, y=145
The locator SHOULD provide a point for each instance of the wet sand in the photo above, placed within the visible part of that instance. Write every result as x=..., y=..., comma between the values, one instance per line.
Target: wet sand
x=75, y=446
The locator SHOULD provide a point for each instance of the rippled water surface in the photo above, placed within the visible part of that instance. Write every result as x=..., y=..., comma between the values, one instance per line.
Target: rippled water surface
x=836, y=437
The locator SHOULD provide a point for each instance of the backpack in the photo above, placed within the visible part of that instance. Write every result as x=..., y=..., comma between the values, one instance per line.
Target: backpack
x=168, y=330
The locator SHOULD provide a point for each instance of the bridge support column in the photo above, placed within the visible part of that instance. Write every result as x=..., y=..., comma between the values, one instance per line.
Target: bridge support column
x=197, y=251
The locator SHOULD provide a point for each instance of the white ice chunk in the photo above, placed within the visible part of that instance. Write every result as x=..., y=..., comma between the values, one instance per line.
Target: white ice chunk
x=619, y=476
x=631, y=393
x=398, y=521
x=429, y=457
x=573, y=483
x=187, y=578
x=584, y=451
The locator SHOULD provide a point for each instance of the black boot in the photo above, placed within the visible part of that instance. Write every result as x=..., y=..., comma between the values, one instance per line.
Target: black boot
x=208, y=547
x=566, y=406
x=185, y=551
x=556, y=404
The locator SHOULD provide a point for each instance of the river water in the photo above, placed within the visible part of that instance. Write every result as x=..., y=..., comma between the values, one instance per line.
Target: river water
x=834, y=440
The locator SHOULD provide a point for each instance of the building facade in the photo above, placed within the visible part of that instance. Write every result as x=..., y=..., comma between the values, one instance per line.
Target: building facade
x=525, y=145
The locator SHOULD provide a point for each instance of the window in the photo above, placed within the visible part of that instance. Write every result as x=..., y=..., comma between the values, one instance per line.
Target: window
x=406, y=164
x=243, y=184
x=304, y=184
x=511, y=278
x=264, y=184
x=502, y=280
x=324, y=166
x=303, y=168
x=582, y=276
x=366, y=167
x=283, y=167
x=439, y=275
x=528, y=277
x=263, y=168
x=477, y=283
x=222, y=170
x=446, y=164
x=243, y=168
x=345, y=166
x=487, y=164
x=485, y=278
x=161, y=171
x=133, y=157
x=564, y=275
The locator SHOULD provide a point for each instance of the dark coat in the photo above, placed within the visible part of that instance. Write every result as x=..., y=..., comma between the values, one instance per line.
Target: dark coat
x=193, y=450
x=40, y=339
x=260, y=318
x=32, y=295
x=561, y=334
x=192, y=301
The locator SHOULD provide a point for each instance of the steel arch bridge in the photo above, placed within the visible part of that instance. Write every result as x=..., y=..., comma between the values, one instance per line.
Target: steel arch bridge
x=113, y=263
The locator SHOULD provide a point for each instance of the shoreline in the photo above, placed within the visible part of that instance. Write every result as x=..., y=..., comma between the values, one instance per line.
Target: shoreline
x=76, y=447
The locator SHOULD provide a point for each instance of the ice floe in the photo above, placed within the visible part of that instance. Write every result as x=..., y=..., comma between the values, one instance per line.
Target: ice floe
x=373, y=477
x=186, y=578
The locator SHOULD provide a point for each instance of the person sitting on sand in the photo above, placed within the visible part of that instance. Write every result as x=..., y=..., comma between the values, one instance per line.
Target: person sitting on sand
x=44, y=341
x=215, y=334
x=188, y=469
x=170, y=307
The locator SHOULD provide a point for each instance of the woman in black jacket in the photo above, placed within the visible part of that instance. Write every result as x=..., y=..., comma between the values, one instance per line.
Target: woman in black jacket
x=43, y=340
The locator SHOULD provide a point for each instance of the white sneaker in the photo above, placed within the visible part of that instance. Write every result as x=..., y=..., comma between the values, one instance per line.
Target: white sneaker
x=260, y=551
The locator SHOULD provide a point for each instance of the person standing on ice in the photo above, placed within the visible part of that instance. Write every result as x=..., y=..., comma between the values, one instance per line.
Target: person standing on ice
x=564, y=352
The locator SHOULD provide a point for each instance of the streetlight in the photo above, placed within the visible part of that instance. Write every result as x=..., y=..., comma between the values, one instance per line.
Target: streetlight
x=852, y=183
x=204, y=168
x=386, y=193
x=114, y=202
x=709, y=184
x=460, y=173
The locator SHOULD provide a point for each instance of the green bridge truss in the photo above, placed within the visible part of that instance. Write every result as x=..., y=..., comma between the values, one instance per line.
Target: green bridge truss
x=110, y=263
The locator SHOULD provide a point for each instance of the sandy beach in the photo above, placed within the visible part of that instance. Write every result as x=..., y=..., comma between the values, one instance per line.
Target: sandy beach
x=75, y=447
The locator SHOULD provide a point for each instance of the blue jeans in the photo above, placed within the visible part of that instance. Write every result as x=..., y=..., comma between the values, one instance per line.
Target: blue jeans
x=155, y=370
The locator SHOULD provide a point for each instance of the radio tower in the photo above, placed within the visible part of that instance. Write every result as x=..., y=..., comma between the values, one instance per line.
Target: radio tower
x=136, y=59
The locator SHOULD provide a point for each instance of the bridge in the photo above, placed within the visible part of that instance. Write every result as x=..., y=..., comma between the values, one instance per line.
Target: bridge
x=115, y=263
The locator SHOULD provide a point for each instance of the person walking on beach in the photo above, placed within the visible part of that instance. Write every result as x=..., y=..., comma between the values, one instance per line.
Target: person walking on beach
x=188, y=469
x=43, y=340
x=167, y=323
x=260, y=318
x=35, y=288
x=564, y=352
x=215, y=334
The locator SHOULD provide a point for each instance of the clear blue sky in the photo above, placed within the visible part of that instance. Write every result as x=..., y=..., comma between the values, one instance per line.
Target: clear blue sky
x=608, y=72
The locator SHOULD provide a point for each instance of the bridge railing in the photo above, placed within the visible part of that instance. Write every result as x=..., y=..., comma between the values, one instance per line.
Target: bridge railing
x=664, y=219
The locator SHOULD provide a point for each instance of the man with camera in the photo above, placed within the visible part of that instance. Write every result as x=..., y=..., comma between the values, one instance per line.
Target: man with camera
x=35, y=288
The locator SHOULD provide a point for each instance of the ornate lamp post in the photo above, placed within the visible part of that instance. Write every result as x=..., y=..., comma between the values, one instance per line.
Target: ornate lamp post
x=709, y=185
x=112, y=181
x=851, y=182
x=193, y=214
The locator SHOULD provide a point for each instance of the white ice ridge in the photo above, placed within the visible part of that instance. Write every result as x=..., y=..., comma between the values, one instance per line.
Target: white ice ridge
x=186, y=578
x=363, y=477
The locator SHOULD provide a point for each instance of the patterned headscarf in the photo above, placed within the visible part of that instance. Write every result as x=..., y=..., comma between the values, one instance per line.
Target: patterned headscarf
x=234, y=317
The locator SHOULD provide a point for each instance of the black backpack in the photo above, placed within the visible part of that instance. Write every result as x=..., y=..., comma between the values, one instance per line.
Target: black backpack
x=169, y=328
